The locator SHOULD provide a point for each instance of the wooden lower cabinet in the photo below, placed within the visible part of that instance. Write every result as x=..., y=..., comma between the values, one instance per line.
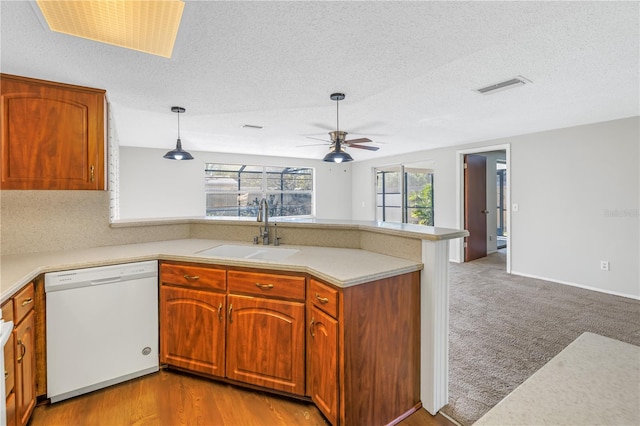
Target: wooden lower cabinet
x=265, y=343
x=25, y=368
x=322, y=353
x=20, y=357
x=363, y=362
x=11, y=409
x=355, y=351
x=192, y=329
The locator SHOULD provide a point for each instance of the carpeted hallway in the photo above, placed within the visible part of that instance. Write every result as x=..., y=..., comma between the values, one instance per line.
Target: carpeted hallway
x=503, y=328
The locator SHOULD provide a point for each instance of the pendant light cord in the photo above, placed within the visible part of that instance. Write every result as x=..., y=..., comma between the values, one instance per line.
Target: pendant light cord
x=337, y=116
x=178, y=124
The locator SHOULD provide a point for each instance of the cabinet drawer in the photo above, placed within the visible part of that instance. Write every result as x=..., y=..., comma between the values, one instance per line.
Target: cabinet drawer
x=23, y=302
x=193, y=276
x=324, y=297
x=7, y=311
x=270, y=285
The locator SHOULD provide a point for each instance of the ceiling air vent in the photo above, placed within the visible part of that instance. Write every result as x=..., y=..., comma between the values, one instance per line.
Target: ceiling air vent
x=508, y=84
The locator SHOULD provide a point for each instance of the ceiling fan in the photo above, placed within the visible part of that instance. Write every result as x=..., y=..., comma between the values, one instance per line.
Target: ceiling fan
x=338, y=138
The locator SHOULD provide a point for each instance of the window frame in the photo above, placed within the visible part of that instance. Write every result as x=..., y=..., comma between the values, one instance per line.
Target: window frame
x=405, y=205
x=263, y=191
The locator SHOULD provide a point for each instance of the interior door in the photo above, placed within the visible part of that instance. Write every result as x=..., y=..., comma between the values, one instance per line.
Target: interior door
x=475, y=206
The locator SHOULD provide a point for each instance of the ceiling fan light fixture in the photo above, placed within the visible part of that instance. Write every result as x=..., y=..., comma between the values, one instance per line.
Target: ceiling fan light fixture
x=337, y=155
x=178, y=153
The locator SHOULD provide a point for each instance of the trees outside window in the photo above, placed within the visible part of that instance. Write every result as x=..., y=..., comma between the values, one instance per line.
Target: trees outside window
x=404, y=195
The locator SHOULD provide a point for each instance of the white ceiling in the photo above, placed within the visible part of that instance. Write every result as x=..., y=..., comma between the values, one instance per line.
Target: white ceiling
x=409, y=71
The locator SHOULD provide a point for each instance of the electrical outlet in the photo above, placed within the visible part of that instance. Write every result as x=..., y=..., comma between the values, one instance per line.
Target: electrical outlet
x=604, y=265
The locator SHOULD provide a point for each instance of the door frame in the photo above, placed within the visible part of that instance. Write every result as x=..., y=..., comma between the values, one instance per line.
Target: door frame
x=457, y=246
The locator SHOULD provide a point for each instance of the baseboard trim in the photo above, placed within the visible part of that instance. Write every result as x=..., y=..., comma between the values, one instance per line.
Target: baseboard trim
x=451, y=419
x=585, y=287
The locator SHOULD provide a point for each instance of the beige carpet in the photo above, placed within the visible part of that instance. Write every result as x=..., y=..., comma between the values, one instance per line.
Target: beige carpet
x=503, y=328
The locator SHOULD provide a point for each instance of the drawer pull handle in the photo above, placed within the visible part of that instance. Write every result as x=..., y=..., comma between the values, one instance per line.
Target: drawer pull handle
x=322, y=299
x=191, y=277
x=264, y=286
x=6, y=374
x=311, y=326
x=230, y=309
x=220, y=312
x=25, y=302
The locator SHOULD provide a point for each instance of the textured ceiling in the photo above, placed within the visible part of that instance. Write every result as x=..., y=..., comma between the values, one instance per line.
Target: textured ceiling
x=409, y=70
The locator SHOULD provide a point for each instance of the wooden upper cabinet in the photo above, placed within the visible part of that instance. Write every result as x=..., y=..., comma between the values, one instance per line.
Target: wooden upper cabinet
x=53, y=135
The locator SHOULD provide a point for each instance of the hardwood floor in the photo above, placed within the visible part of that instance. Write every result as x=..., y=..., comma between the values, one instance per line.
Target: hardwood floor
x=172, y=398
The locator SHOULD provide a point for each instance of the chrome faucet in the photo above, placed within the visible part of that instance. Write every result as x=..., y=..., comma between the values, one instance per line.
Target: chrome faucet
x=264, y=233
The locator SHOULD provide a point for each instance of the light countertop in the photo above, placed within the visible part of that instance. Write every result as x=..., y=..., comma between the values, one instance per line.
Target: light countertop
x=593, y=381
x=339, y=266
x=422, y=232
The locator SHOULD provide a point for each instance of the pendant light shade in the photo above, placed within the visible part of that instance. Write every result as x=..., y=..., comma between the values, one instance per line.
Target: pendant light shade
x=178, y=153
x=337, y=155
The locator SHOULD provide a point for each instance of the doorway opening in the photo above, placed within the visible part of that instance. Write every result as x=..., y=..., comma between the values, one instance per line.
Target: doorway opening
x=489, y=219
x=501, y=197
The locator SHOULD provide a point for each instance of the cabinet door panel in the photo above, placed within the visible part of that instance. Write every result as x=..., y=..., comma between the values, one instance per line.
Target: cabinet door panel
x=323, y=363
x=25, y=368
x=9, y=365
x=192, y=329
x=52, y=135
x=265, y=343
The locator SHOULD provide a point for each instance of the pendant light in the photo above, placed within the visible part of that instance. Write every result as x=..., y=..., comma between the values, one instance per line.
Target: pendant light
x=337, y=154
x=178, y=153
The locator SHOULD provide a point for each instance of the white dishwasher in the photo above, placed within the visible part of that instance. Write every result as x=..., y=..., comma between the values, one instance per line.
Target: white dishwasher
x=102, y=327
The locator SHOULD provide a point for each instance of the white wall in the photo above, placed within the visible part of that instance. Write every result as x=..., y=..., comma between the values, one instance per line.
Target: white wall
x=578, y=195
x=153, y=187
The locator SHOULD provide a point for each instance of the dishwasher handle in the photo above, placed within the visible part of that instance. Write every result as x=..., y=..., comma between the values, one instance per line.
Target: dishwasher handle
x=106, y=280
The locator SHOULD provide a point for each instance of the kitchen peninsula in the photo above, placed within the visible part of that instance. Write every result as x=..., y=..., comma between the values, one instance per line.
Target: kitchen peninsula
x=338, y=253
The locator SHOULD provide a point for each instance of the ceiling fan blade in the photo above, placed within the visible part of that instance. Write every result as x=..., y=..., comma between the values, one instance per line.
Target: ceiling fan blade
x=370, y=148
x=359, y=140
x=313, y=144
x=322, y=126
x=318, y=139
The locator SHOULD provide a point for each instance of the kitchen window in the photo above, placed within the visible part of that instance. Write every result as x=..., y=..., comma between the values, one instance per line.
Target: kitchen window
x=235, y=190
x=404, y=195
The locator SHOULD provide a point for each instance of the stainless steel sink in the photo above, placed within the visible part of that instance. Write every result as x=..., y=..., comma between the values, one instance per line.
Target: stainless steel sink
x=249, y=252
